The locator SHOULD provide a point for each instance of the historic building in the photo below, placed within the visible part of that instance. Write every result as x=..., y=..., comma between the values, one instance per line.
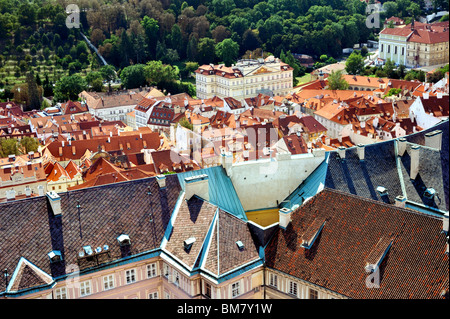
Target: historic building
x=246, y=79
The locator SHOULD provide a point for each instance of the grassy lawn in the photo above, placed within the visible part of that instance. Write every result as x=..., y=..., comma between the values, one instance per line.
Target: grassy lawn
x=304, y=79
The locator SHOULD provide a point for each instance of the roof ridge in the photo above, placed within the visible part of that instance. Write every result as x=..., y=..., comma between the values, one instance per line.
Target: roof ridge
x=404, y=209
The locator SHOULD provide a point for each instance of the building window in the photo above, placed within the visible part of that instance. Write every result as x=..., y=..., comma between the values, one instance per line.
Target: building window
x=166, y=295
x=166, y=270
x=176, y=277
x=151, y=270
x=207, y=290
x=293, y=288
x=108, y=282
x=313, y=294
x=235, y=289
x=130, y=276
x=61, y=293
x=85, y=288
x=153, y=295
x=273, y=280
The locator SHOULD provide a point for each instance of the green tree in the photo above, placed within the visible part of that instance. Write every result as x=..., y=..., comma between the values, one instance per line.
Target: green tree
x=157, y=73
x=108, y=72
x=29, y=144
x=336, y=81
x=95, y=80
x=227, y=51
x=8, y=146
x=206, y=51
x=389, y=68
x=69, y=87
x=151, y=29
x=354, y=63
x=133, y=76
x=33, y=92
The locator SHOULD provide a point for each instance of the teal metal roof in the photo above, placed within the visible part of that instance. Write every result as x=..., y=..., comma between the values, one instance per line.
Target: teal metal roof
x=313, y=184
x=221, y=190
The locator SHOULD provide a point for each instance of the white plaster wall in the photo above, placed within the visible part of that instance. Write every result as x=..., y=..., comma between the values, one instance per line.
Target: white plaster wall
x=265, y=184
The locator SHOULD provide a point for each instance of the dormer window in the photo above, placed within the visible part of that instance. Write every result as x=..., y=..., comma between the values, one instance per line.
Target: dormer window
x=311, y=234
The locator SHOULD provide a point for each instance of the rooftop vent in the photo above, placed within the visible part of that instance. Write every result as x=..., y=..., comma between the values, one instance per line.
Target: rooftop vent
x=88, y=250
x=429, y=193
x=382, y=191
x=55, y=256
x=240, y=245
x=188, y=243
x=124, y=240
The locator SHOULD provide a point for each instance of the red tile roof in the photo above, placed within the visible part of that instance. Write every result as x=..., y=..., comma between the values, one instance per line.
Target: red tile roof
x=415, y=267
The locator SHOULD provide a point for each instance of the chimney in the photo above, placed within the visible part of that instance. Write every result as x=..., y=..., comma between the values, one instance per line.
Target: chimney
x=425, y=95
x=10, y=194
x=400, y=201
x=55, y=202
x=28, y=191
x=401, y=146
x=439, y=95
x=40, y=190
x=284, y=217
x=360, y=150
x=434, y=139
x=161, y=179
x=341, y=152
x=197, y=185
x=415, y=151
